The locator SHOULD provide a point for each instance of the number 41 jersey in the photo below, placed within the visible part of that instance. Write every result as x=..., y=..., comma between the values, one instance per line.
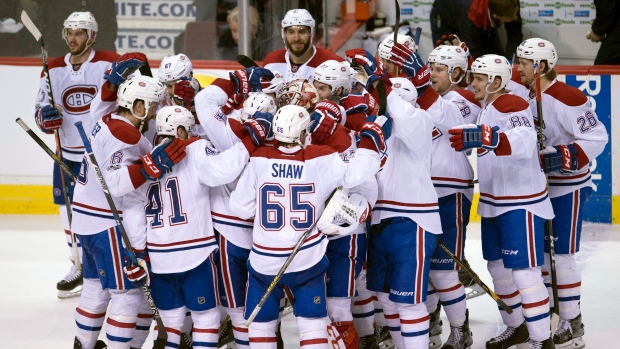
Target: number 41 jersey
x=285, y=189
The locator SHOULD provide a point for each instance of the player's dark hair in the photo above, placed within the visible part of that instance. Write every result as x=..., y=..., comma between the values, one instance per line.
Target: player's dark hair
x=121, y=110
x=503, y=7
x=549, y=73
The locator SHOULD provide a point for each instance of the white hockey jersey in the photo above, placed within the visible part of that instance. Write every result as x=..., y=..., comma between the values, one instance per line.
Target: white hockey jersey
x=285, y=189
x=451, y=171
x=73, y=89
x=117, y=146
x=280, y=64
x=510, y=176
x=175, y=211
x=568, y=118
x=405, y=186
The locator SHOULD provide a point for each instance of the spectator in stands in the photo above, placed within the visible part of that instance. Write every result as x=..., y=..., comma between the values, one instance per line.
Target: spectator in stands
x=228, y=40
x=52, y=15
x=606, y=30
x=477, y=22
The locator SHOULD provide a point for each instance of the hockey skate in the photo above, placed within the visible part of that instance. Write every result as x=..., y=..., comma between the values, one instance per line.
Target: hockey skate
x=186, y=341
x=71, y=284
x=99, y=345
x=460, y=337
x=368, y=342
x=435, y=330
x=569, y=334
x=546, y=344
x=384, y=338
x=518, y=336
x=472, y=289
x=226, y=338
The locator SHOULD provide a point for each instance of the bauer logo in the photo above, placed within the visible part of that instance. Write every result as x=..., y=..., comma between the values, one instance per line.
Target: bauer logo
x=545, y=13
x=76, y=99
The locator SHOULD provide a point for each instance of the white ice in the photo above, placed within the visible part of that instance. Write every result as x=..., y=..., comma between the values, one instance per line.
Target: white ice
x=34, y=256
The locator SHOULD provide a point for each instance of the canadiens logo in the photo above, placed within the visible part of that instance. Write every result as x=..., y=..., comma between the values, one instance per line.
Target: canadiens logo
x=458, y=50
x=76, y=99
x=141, y=83
x=497, y=60
x=397, y=85
x=541, y=44
x=343, y=69
x=177, y=110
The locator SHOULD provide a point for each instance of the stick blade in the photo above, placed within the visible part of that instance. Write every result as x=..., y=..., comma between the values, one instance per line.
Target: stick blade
x=246, y=61
x=30, y=26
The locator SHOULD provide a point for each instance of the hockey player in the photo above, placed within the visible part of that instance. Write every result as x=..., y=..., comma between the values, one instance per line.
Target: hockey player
x=512, y=234
x=74, y=79
x=181, y=248
x=300, y=57
x=177, y=75
x=404, y=219
x=126, y=162
x=285, y=188
x=573, y=137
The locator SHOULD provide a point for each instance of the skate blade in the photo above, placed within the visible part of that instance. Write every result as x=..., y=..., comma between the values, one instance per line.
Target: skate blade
x=434, y=342
x=474, y=291
x=229, y=346
x=575, y=343
x=70, y=294
x=387, y=344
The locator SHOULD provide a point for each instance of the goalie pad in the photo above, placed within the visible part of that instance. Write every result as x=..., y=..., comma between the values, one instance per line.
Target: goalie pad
x=343, y=214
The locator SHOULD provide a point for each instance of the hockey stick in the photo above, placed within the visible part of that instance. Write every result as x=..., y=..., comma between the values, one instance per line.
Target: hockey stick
x=475, y=277
x=47, y=149
x=65, y=190
x=246, y=61
x=549, y=222
x=282, y=270
x=162, y=336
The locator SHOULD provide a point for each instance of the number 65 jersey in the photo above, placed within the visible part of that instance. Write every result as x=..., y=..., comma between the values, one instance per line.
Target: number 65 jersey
x=285, y=189
x=510, y=176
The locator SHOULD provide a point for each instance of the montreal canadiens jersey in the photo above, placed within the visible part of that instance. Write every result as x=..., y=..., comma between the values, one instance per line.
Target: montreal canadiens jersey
x=117, y=146
x=216, y=126
x=405, y=186
x=451, y=171
x=175, y=209
x=285, y=189
x=513, y=180
x=73, y=90
x=280, y=64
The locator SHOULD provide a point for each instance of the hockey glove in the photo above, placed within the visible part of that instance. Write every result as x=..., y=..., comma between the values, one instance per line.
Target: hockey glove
x=450, y=40
x=365, y=59
x=124, y=66
x=265, y=119
x=322, y=125
x=378, y=129
x=561, y=158
x=185, y=90
x=162, y=158
x=259, y=78
x=48, y=119
x=257, y=131
x=474, y=136
x=407, y=59
x=138, y=274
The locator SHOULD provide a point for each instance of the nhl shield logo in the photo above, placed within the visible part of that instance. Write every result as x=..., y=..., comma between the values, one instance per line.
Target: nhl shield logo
x=317, y=299
x=101, y=272
x=201, y=300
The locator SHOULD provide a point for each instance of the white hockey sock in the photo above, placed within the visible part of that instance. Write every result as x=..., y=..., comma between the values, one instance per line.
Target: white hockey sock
x=535, y=302
x=379, y=316
x=569, y=284
x=187, y=323
x=143, y=325
x=122, y=318
x=90, y=313
x=339, y=309
x=414, y=325
x=313, y=332
x=392, y=318
x=206, y=327
x=432, y=298
x=240, y=331
x=173, y=321
x=363, y=311
x=452, y=295
x=263, y=335
x=506, y=289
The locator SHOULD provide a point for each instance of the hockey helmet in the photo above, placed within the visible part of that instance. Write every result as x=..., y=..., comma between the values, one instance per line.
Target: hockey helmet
x=142, y=88
x=298, y=17
x=385, y=47
x=493, y=66
x=257, y=101
x=170, y=118
x=81, y=20
x=405, y=89
x=173, y=68
x=538, y=50
x=334, y=74
x=288, y=122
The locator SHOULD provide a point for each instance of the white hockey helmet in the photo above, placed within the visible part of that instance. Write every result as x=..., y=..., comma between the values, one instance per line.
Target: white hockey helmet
x=257, y=101
x=274, y=85
x=405, y=89
x=334, y=74
x=173, y=68
x=288, y=123
x=298, y=92
x=385, y=47
x=450, y=56
x=170, y=118
x=538, y=50
x=80, y=20
x=298, y=17
x=493, y=66
x=142, y=88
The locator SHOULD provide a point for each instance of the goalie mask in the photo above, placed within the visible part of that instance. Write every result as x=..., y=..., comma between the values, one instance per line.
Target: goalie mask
x=142, y=88
x=169, y=119
x=289, y=122
x=298, y=92
x=81, y=20
x=257, y=101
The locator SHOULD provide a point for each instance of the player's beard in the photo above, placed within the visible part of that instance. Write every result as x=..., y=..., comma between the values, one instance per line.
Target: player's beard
x=304, y=49
x=77, y=50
